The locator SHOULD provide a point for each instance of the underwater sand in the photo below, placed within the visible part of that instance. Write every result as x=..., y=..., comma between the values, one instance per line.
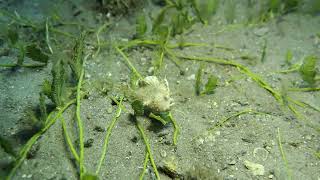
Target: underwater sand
x=222, y=152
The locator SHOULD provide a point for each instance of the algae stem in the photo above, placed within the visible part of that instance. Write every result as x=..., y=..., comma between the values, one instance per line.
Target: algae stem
x=134, y=70
x=145, y=163
x=98, y=38
x=283, y=155
x=118, y=103
x=47, y=37
x=148, y=149
x=22, y=65
x=57, y=31
x=108, y=134
x=243, y=69
x=79, y=121
x=69, y=142
x=23, y=153
x=176, y=129
x=305, y=89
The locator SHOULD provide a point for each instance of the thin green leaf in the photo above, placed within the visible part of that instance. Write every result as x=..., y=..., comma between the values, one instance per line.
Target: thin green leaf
x=158, y=118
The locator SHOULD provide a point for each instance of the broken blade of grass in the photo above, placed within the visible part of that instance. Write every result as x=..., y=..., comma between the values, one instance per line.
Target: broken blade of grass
x=283, y=156
x=108, y=134
x=47, y=36
x=158, y=118
x=145, y=163
x=23, y=65
x=314, y=107
x=26, y=148
x=305, y=89
x=85, y=27
x=160, y=60
x=187, y=44
x=198, y=82
x=230, y=27
x=304, y=104
x=221, y=122
x=176, y=129
x=67, y=34
x=80, y=126
x=118, y=104
x=148, y=148
x=296, y=102
x=69, y=142
x=140, y=42
x=173, y=58
x=264, y=51
x=292, y=68
x=253, y=76
x=100, y=29
x=243, y=69
x=298, y=115
x=224, y=120
x=191, y=44
x=89, y=176
x=133, y=69
x=76, y=64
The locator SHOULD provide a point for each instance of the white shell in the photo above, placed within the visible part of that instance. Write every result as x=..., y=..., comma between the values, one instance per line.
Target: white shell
x=154, y=94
